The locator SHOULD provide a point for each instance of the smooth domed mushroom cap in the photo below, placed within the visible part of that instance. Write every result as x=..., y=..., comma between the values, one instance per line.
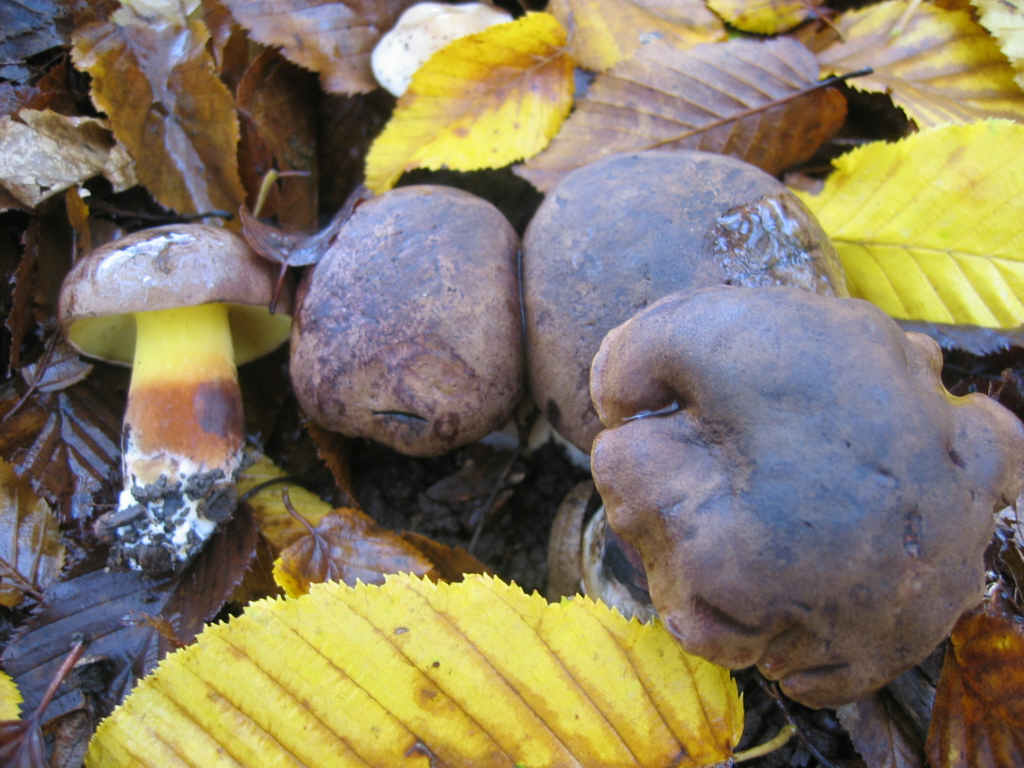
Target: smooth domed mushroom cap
x=408, y=330
x=164, y=268
x=617, y=235
x=818, y=505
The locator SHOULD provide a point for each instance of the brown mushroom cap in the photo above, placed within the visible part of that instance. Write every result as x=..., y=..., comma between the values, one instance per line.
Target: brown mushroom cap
x=164, y=268
x=408, y=330
x=817, y=504
x=621, y=233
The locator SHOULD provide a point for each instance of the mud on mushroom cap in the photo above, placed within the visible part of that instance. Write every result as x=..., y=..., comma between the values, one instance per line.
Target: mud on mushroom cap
x=617, y=235
x=817, y=504
x=408, y=330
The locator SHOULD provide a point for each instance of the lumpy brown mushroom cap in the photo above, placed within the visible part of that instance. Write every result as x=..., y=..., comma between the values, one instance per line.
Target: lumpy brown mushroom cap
x=164, y=268
x=817, y=504
x=408, y=330
x=617, y=235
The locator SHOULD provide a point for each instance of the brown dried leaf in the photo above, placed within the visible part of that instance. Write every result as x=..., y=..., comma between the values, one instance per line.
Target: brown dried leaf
x=156, y=81
x=742, y=98
x=604, y=32
x=334, y=39
x=882, y=732
x=66, y=444
x=277, y=101
x=28, y=27
x=450, y=563
x=129, y=620
x=978, y=718
x=332, y=450
x=43, y=153
x=347, y=546
x=31, y=553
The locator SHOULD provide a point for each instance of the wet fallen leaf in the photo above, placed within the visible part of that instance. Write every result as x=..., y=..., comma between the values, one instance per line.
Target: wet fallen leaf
x=978, y=718
x=130, y=621
x=347, y=546
x=29, y=27
x=881, y=732
x=914, y=223
x=1005, y=20
x=470, y=674
x=60, y=367
x=483, y=101
x=261, y=484
x=155, y=79
x=334, y=39
x=66, y=444
x=604, y=32
x=31, y=552
x=43, y=153
x=450, y=563
x=942, y=67
x=764, y=17
x=741, y=98
x=277, y=100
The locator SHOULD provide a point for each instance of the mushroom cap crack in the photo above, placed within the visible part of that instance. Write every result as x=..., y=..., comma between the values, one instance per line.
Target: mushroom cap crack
x=818, y=504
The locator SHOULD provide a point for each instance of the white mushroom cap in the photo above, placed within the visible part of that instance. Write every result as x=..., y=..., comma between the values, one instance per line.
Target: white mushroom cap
x=420, y=32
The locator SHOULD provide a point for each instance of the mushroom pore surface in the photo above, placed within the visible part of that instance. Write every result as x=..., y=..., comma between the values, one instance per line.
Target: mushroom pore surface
x=408, y=330
x=617, y=235
x=810, y=498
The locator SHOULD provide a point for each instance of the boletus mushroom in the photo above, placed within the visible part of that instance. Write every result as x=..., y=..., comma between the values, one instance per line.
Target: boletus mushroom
x=181, y=304
x=615, y=236
x=408, y=330
x=802, y=491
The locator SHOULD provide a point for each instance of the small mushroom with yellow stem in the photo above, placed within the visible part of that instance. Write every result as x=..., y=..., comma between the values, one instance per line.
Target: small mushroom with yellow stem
x=181, y=304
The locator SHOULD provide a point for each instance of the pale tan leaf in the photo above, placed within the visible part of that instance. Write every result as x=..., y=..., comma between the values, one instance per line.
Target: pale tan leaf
x=604, y=32
x=942, y=67
x=43, y=153
x=742, y=98
x=1005, y=20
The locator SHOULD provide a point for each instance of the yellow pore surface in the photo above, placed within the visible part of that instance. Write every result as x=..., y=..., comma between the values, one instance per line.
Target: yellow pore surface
x=187, y=344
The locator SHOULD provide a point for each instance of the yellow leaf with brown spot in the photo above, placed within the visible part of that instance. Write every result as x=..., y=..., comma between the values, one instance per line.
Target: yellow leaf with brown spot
x=484, y=101
x=941, y=66
x=156, y=81
x=415, y=673
x=978, y=717
x=604, y=32
x=260, y=485
x=764, y=17
x=10, y=698
x=932, y=227
x=31, y=552
x=1005, y=20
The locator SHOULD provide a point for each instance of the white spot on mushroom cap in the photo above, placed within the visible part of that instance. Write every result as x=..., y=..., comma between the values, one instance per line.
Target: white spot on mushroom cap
x=420, y=32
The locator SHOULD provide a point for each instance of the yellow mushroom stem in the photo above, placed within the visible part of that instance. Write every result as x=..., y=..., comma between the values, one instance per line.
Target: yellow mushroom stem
x=183, y=436
x=184, y=399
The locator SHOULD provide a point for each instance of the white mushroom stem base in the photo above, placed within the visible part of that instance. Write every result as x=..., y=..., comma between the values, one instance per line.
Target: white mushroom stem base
x=182, y=438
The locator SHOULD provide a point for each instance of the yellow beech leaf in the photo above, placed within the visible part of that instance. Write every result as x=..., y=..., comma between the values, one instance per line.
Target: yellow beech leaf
x=932, y=227
x=483, y=101
x=763, y=17
x=10, y=698
x=415, y=673
x=605, y=32
x=1005, y=20
x=941, y=67
x=276, y=524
